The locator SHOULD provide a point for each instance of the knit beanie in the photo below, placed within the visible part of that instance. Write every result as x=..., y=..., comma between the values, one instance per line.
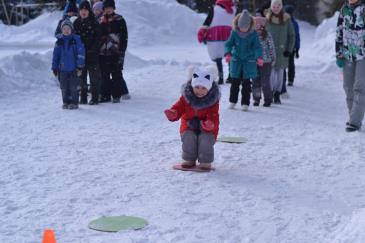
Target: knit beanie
x=259, y=22
x=85, y=5
x=244, y=20
x=276, y=2
x=202, y=77
x=71, y=7
x=67, y=22
x=108, y=3
x=98, y=6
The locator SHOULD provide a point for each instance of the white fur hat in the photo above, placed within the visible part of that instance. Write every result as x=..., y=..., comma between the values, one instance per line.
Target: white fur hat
x=202, y=77
x=276, y=2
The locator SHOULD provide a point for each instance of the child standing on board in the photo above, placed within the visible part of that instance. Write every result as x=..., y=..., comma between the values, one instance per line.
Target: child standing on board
x=198, y=109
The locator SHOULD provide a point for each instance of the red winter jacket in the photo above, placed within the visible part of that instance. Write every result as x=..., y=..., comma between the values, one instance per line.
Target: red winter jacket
x=186, y=112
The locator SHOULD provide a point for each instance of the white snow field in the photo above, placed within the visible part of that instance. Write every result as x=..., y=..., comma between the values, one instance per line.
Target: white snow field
x=298, y=179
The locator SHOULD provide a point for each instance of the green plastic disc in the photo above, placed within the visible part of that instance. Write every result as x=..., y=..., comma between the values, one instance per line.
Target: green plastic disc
x=117, y=223
x=232, y=140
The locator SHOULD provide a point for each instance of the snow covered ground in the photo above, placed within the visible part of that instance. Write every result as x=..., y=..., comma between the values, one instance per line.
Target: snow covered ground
x=298, y=179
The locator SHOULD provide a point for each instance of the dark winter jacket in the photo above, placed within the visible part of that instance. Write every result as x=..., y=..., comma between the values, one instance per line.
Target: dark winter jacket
x=189, y=107
x=350, y=34
x=114, y=35
x=297, y=33
x=68, y=53
x=89, y=31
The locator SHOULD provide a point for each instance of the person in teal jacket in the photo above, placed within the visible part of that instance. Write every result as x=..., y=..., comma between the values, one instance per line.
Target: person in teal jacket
x=243, y=52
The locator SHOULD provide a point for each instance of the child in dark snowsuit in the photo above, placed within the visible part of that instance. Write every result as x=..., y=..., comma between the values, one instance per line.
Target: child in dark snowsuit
x=198, y=109
x=87, y=27
x=68, y=62
x=243, y=51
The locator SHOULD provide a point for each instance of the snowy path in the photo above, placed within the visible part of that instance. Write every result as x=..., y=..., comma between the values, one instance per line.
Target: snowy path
x=300, y=177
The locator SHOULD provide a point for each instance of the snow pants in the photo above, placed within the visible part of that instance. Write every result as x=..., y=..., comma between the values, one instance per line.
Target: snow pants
x=69, y=84
x=95, y=81
x=113, y=83
x=277, y=79
x=262, y=83
x=289, y=73
x=354, y=86
x=198, y=146
x=245, y=91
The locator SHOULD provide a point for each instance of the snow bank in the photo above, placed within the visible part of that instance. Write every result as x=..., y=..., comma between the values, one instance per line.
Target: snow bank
x=353, y=230
x=324, y=43
x=149, y=22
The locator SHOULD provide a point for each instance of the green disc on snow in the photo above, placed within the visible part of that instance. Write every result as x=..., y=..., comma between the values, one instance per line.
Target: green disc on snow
x=232, y=140
x=117, y=223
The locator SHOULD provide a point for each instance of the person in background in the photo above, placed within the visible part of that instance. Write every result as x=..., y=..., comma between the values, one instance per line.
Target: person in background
x=290, y=74
x=67, y=63
x=98, y=10
x=215, y=32
x=281, y=28
x=70, y=11
x=87, y=27
x=243, y=51
x=350, y=54
x=114, y=40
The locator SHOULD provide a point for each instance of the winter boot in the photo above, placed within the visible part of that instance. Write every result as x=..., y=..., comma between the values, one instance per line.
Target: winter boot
x=105, y=99
x=65, y=106
x=352, y=128
x=205, y=166
x=93, y=102
x=266, y=104
x=83, y=100
x=256, y=103
x=116, y=100
x=244, y=107
x=277, y=98
x=188, y=164
x=231, y=106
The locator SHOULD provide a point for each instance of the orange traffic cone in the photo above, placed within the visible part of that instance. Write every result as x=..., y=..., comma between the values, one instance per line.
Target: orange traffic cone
x=48, y=236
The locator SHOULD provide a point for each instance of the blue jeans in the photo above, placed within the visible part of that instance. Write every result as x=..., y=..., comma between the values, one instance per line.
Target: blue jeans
x=69, y=83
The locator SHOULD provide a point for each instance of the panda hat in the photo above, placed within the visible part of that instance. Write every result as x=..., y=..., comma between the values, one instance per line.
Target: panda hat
x=202, y=76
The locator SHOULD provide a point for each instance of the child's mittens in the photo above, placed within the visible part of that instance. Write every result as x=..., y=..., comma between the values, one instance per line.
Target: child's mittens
x=171, y=114
x=260, y=62
x=207, y=125
x=340, y=62
x=202, y=34
x=228, y=57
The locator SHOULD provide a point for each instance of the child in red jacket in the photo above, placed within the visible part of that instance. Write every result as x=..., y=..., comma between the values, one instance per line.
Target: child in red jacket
x=198, y=109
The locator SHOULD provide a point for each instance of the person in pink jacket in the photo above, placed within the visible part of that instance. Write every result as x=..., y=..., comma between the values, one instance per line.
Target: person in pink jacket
x=216, y=30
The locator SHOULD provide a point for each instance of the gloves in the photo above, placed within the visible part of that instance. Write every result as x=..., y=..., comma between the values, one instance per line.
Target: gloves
x=286, y=54
x=55, y=73
x=202, y=34
x=171, y=114
x=296, y=53
x=194, y=124
x=228, y=57
x=207, y=125
x=260, y=62
x=121, y=61
x=340, y=62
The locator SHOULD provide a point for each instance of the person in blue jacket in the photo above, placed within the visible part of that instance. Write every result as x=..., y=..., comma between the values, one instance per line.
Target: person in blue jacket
x=289, y=74
x=67, y=64
x=70, y=11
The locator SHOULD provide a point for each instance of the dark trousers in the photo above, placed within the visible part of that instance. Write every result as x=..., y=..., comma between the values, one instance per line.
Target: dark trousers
x=245, y=91
x=113, y=83
x=95, y=81
x=290, y=74
x=219, y=63
x=69, y=84
x=262, y=83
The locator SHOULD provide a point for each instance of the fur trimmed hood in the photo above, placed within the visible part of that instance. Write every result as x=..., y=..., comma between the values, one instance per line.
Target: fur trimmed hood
x=197, y=103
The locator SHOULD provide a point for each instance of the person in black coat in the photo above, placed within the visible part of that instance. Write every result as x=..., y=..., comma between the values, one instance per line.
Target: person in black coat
x=114, y=40
x=87, y=27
